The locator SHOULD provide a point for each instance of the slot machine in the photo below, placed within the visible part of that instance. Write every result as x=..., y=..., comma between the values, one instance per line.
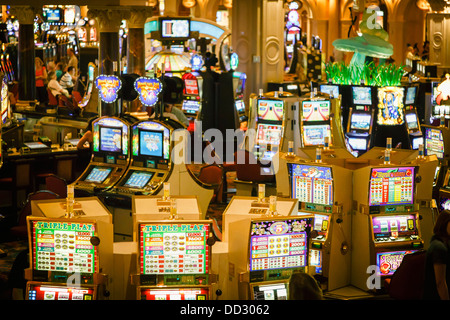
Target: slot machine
x=386, y=224
x=411, y=119
x=70, y=258
x=318, y=188
x=192, y=102
x=239, y=79
x=110, y=155
x=360, y=119
x=90, y=87
x=174, y=259
x=316, y=125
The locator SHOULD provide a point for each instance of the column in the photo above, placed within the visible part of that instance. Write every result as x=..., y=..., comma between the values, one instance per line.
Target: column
x=25, y=54
x=109, y=19
x=136, y=39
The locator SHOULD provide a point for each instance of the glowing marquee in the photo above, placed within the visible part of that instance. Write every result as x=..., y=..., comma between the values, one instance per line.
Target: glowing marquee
x=148, y=90
x=108, y=87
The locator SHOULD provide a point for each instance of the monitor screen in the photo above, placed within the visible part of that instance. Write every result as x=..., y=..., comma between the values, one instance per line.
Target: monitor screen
x=35, y=145
x=388, y=262
x=98, y=174
x=362, y=95
x=138, y=179
x=332, y=90
x=410, y=95
x=269, y=134
x=390, y=106
x=316, y=111
x=416, y=142
x=444, y=204
x=63, y=246
x=434, y=92
x=315, y=134
x=40, y=291
x=52, y=15
x=191, y=86
x=311, y=184
x=190, y=106
x=110, y=139
x=434, y=142
x=196, y=293
x=358, y=143
x=411, y=120
x=321, y=226
x=391, y=186
x=270, y=110
x=174, y=248
x=175, y=28
x=151, y=143
x=360, y=121
x=278, y=244
x=274, y=291
x=240, y=106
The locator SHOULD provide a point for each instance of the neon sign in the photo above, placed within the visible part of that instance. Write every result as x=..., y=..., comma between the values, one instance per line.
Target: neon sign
x=108, y=87
x=148, y=90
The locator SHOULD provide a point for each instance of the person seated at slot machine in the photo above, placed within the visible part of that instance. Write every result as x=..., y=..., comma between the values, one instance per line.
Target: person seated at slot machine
x=437, y=263
x=68, y=79
x=55, y=88
x=59, y=71
x=303, y=286
x=169, y=113
x=87, y=137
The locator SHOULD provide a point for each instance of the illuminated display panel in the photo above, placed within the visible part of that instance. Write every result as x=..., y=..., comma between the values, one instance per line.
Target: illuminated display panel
x=416, y=142
x=360, y=121
x=444, y=203
x=63, y=246
x=394, y=227
x=391, y=186
x=269, y=134
x=191, y=86
x=434, y=142
x=321, y=226
x=110, y=139
x=357, y=143
x=278, y=244
x=175, y=294
x=53, y=292
x=174, y=248
x=314, y=135
x=98, y=174
x=390, y=106
x=272, y=110
x=110, y=135
x=311, y=184
x=139, y=179
x=411, y=120
x=362, y=95
x=175, y=28
x=151, y=143
x=388, y=262
x=315, y=111
x=190, y=106
x=330, y=89
x=277, y=291
x=151, y=140
x=240, y=106
x=410, y=95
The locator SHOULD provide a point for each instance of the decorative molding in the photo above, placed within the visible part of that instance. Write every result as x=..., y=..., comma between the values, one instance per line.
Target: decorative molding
x=25, y=14
x=108, y=18
x=272, y=50
x=138, y=16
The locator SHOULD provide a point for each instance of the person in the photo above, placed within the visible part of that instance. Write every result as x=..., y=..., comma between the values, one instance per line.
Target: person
x=67, y=80
x=59, y=71
x=55, y=88
x=426, y=51
x=167, y=113
x=437, y=264
x=178, y=113
x=303, y=286
x=73, y=60
x=41, y=78
x=87, y=136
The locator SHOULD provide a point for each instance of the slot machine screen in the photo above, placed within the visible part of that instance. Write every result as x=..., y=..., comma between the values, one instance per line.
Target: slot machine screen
x=63, y=246
x=315, y=111
x=390, y=106
x=39, y=291
x=272, y=110
x=190, y=106
x=362, y=95
x=390, y=227
x=174, y=248
x=391, y=186
x=332, y=90
x=315, y=134
x=52, y=15
x=240, y=106
x=110, y=139
x=388, y=262
x=311, y=184
x=321, y=225
x=416, y=142
x=269, y=134
x=434, y=92
x=278, y=244
x=357, y=143
x=434, y=142
x=274, y=291
x=191, y=86
x=444, y=203
x=151, y=143
x=411, y=120
x=175, y=294
x=360, y=121
x=138, y=179
x=175, y=28
x=98, y=174
x=410, y=95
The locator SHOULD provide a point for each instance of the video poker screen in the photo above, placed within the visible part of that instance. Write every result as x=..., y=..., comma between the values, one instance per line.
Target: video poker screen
x=313, y=111
x=332, y=90
x=360, y=121
x=138, y=179
x=63, y=246
x=110, y=139
x=269, y=134
x=314, y=135
x=278, y=244
x=151, y=143
x=391, y=186
x=388, y=262
x=311, y=184
x=274, y=291
x=434, y=142
x=362, y=95
x=38, y=291
x=174, y=248
x=395, y=226
x=271, y=110
x=175, y=294
x=98, y=174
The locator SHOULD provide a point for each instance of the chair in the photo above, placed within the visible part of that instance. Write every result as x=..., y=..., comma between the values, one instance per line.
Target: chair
x=57, y=185
x=19, y=231
x=213, y=175
x=77, y=96
x=248, y=168
x=52, y=100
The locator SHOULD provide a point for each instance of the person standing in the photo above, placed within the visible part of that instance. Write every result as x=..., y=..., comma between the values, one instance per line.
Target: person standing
x=41, y=78
x=73, y=60
x=437, y=264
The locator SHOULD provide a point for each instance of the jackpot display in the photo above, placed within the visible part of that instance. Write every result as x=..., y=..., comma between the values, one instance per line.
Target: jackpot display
x=391, y=186
x=311, y=184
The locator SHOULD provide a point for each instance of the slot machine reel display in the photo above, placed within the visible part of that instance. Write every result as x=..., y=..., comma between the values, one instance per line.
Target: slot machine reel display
x=411, y=118
x=386, y=225
x=174, y=259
